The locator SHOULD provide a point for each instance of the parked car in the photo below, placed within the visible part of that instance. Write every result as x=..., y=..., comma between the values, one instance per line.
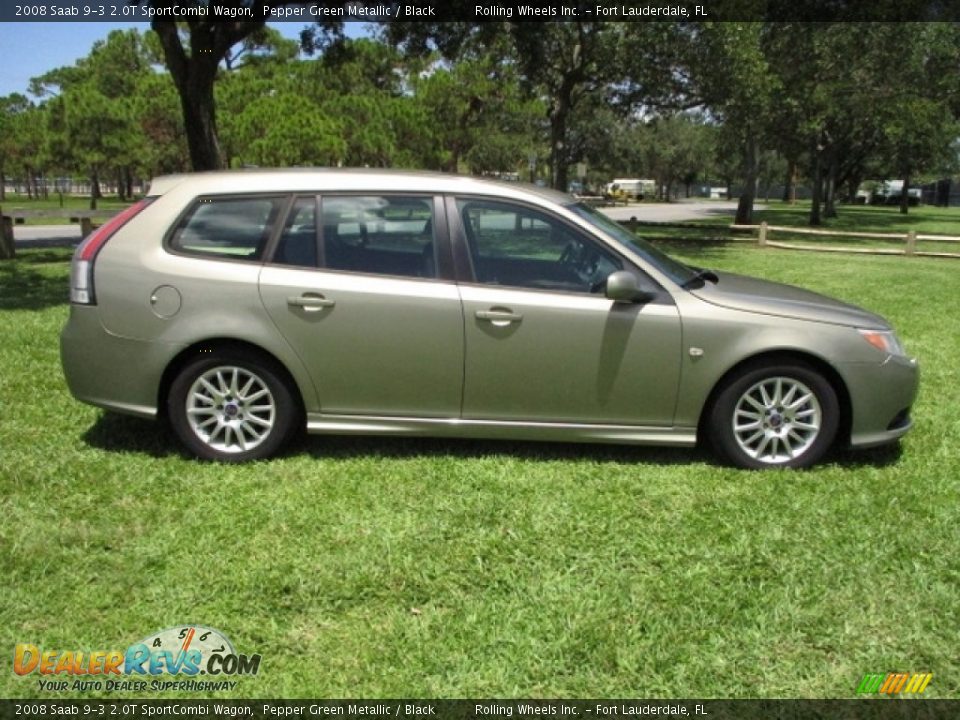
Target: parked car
x=245, y=306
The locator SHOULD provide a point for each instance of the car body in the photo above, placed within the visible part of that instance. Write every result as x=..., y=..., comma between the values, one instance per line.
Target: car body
x=245, y=305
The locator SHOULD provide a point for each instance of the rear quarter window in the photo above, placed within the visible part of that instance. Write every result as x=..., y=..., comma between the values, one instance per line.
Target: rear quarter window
x=230, y=228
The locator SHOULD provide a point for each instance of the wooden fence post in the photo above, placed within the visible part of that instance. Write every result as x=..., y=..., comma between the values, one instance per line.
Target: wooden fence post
x=911, y=242
x=8, y=249
x=86, y=226
x=762, y=235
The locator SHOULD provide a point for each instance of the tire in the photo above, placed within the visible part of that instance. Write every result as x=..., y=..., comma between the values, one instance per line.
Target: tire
x=232, y=405
x=781, y=415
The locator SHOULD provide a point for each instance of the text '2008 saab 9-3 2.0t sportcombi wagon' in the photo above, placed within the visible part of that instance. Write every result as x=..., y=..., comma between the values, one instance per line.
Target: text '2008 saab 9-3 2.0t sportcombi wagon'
x=244, y=306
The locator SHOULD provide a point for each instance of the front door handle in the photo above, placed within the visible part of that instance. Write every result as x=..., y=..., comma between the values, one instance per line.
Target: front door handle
x=499, y=317
x=310, y=302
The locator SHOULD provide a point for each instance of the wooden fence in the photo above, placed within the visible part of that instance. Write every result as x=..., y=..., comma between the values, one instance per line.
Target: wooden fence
x=909, y=240
x=9, y=218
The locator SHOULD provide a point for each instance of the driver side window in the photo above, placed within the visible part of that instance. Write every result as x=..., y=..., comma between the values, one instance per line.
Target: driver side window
x=517, y=246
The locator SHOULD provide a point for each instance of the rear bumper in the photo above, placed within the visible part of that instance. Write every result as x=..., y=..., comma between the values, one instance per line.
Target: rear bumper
x=881, y=397
x=108, y=371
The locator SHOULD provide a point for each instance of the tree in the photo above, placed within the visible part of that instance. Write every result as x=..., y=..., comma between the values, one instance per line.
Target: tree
x=194, y=73
x=568, y=62
x=30, y=156
x=96, y=132
x=10, y=107
x=287, y=130
x=862, y=97
x=672, y=149
x=101, y=90
x=193, y=62
x=478, y=115
x=156, y=110
x=565, y=64
x=920, y=126
x=734, y=79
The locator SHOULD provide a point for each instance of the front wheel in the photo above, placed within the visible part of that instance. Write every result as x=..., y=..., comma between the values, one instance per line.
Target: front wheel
x=771, y=416
x=231, y=406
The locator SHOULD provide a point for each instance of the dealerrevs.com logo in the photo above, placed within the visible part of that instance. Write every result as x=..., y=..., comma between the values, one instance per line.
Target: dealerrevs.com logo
x=895, y=683
x=184, y=652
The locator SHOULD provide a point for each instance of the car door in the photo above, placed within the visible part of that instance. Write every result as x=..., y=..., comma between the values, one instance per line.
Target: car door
x=360, y=287
x=543, y=343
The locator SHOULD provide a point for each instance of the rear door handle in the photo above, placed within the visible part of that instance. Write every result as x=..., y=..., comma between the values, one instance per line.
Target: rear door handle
x=499, y=317
x=310, y=303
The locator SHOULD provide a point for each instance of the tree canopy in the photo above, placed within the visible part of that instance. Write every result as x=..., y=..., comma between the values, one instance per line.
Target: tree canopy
x=732, y=102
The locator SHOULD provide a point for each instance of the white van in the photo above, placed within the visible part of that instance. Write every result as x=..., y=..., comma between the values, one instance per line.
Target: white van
x=630, y=188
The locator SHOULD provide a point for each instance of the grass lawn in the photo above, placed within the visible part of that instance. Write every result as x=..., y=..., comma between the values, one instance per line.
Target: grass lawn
x=867, y=218
x=924, y=219
x=393, y=568
x=15, y=201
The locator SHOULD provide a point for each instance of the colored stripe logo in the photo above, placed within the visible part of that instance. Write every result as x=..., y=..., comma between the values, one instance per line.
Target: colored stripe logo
x=895, y=683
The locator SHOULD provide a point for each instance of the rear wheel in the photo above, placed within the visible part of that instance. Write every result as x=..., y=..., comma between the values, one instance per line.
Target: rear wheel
x=232, y=406
x=776, y=415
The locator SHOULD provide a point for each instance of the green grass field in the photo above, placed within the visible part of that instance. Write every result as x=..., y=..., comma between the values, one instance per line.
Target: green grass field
x=924, y=219
x=394, y=568
x=14, y=201
x=867, y=218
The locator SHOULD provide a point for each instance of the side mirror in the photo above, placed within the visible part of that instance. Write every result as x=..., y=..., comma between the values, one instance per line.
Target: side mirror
x=622, y=286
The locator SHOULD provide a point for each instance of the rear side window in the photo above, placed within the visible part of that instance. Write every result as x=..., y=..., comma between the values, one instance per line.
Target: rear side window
x=381, y=235
x=231, y=228
x=298, y=240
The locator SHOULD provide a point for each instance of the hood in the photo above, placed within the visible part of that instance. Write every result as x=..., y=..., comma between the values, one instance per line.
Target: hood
x=741, y=292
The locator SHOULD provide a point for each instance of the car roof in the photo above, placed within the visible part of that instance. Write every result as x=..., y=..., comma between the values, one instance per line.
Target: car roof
x=347, y=180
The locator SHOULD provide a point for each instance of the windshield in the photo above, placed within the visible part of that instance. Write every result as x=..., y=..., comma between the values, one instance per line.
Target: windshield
x=675, y=270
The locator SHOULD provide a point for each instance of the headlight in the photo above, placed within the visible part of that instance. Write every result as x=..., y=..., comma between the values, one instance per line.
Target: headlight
x=883, y=340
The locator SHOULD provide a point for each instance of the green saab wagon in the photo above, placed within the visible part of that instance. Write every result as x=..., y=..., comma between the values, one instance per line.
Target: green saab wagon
x=244, y=306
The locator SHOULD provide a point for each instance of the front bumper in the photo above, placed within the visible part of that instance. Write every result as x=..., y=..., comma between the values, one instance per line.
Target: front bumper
x=881, y=398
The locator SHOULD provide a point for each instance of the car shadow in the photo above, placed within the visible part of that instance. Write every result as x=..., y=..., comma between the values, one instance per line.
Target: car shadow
x=333, y=446
x=878, y=457
x=124, y=434
x=25, y=284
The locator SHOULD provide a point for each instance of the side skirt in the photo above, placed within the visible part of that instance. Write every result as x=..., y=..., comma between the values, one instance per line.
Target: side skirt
x=491, y=429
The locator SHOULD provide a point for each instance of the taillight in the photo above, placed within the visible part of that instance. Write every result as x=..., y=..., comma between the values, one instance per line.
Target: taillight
x=81, y=269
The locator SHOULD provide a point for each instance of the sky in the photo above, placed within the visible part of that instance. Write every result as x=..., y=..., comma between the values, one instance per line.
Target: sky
x=31, y=49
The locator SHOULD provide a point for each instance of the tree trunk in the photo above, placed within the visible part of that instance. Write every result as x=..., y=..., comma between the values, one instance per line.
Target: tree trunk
x=128, y=181
x=7, y=248
x=558, y=165
x=94, y=188
x=749, y=192
x=817, y=187
x=788, y=181
x=3, y=186
x=905, y=195
x=200, y=123
x=829, y=203
x=853, y=186
x=121, y=187
x=559, y=112
x=193, y=77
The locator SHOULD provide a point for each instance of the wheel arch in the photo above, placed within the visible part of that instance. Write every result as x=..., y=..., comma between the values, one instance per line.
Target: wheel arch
x=190, y=352
x=769, y=357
